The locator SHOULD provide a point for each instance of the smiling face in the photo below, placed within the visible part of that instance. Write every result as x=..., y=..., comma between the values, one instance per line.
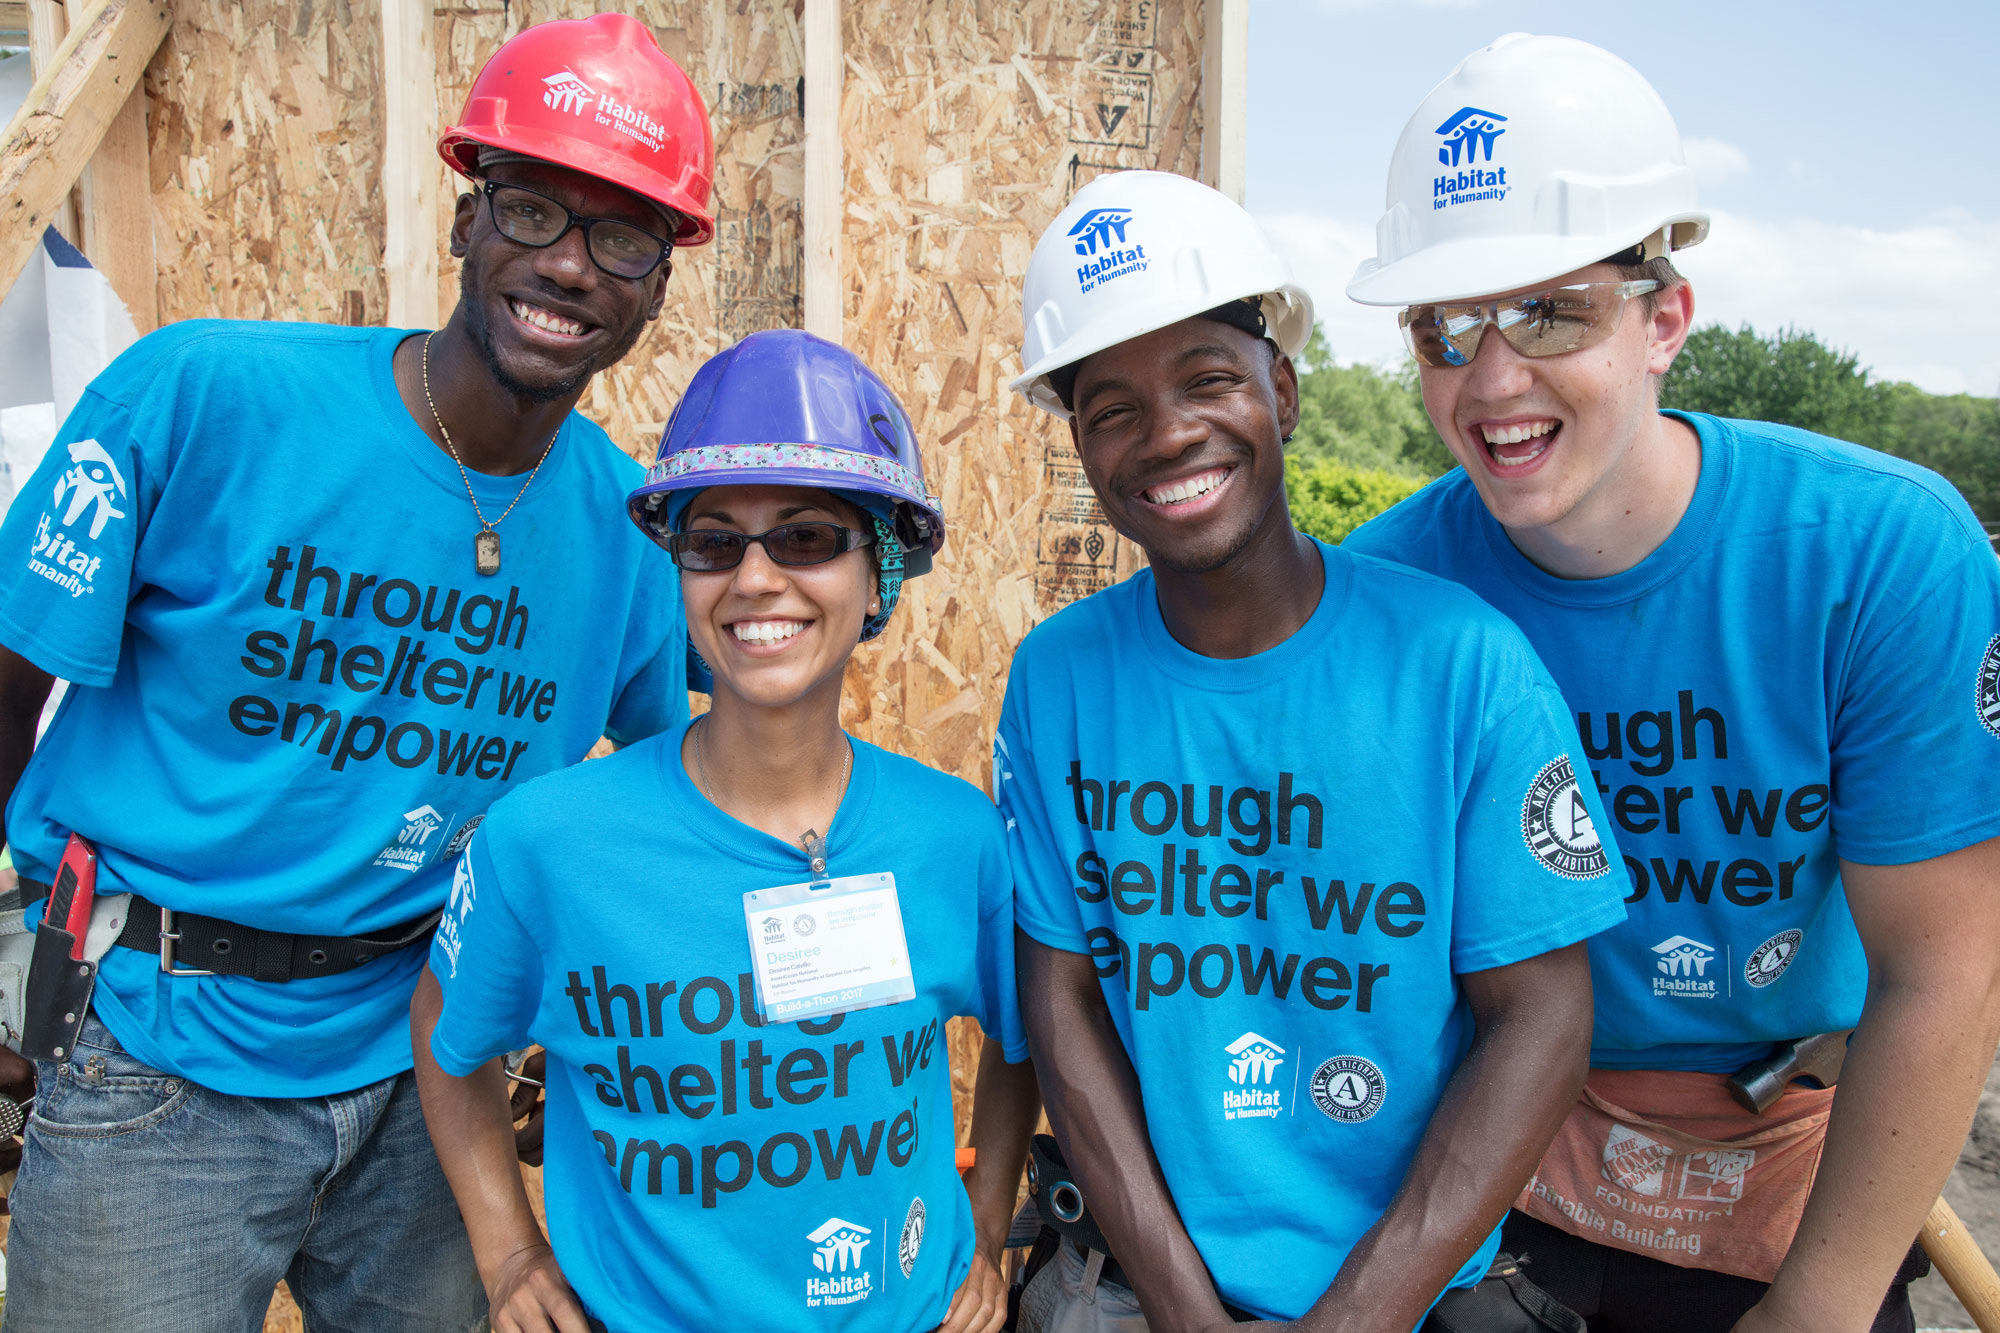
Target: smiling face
x=1181, y=433
x=1558, y=442
x=548, y=319
x=775, y=634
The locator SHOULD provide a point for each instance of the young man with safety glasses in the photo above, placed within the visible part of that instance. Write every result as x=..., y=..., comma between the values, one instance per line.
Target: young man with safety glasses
x=1784, y=656
x=303, y=666
x=1301, y=862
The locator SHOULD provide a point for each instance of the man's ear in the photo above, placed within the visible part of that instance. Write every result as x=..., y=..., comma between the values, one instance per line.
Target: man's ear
x=463, y=214
x=1673, y=320
x=659, y=292
x=1285, y=383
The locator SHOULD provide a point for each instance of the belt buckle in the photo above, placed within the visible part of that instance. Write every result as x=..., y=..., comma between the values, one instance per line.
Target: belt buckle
x=169, y=937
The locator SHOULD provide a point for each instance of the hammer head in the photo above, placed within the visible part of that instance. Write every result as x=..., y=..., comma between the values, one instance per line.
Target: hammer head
x=1814, y=1061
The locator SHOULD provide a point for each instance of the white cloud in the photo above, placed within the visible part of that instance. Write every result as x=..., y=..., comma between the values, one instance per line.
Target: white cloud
x=1323, y=252
x=1714, y=161
x=1913, y=303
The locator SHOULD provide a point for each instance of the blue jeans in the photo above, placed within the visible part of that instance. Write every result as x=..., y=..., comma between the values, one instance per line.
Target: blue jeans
x=148, y=1202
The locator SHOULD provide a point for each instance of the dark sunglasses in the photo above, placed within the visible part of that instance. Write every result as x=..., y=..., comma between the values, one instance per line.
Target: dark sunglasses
x=708, y=549
x=535, y=220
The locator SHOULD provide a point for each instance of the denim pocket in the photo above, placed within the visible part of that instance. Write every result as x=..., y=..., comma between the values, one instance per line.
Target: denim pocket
x=101, y=1091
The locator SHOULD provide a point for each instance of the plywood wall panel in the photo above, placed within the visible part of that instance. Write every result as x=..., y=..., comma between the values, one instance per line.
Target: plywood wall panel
x=265, y=159
x=966, y=125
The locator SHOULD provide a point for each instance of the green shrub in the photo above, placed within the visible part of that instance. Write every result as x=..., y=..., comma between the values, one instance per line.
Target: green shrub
x=1330, y=499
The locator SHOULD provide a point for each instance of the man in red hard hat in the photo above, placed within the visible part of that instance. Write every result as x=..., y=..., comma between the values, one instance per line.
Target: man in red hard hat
x=323, y=594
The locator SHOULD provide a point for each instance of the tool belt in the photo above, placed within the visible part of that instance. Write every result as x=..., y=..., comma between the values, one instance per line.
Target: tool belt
x=191, y=945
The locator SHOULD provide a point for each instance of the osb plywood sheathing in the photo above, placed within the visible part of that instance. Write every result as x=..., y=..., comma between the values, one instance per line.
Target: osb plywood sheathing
x=746, y=57
x=265, y=148
x=965, y=126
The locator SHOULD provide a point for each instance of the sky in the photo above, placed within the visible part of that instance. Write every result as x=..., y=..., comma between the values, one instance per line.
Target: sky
x=1846, y=153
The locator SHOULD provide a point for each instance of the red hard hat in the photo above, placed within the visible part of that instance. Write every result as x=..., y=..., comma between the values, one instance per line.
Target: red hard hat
x=597, y=95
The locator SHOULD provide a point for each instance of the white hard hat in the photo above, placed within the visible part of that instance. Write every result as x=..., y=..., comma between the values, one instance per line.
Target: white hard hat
x=1538, y=156
x=1136, y=251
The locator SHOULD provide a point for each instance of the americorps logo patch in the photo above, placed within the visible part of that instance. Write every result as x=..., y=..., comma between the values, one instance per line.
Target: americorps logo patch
x=1468, y=136
x=1100, y=238
x=912, y=1239
x=1348, y=1088
x=1986, y=694
x=1558, y=826
x=1770, y=959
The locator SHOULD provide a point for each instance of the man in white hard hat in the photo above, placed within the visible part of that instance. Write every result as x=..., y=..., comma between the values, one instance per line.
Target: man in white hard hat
x=1784, y=656
x=1301, y=861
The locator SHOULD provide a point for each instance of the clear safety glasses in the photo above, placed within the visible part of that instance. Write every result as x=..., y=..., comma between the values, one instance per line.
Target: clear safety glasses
x=535, y=220
x=1545, y=323
x=708, y=549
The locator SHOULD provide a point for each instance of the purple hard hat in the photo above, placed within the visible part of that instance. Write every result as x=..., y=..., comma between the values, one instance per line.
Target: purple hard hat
x=785, y=408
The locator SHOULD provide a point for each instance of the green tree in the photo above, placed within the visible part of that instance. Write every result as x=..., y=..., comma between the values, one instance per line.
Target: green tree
x=1330, y=499
x=1793, y=378
x=1364, y=417
x=1790, y=377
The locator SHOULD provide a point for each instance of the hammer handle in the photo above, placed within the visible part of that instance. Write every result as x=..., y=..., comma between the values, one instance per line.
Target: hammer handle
x=1963, y=1266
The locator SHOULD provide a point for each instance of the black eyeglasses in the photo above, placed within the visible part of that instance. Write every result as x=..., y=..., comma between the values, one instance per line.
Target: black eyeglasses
x=619, y=248
x=706, y=550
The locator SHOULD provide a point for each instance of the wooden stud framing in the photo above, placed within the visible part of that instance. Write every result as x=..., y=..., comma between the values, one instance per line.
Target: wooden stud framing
x=409, y=162
x=824, y=61
x=73, y=103
x=48, y=24
x=13, y=15
x=116, y=202
x=1225, y=67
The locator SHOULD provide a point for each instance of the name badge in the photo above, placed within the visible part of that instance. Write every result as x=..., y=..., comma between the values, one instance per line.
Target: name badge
x=830, y=949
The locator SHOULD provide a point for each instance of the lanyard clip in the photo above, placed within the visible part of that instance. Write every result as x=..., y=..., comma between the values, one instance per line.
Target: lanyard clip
x=815, y=846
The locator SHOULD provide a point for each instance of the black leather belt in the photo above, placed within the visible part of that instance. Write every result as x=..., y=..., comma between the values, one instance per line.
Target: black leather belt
x=191, y=945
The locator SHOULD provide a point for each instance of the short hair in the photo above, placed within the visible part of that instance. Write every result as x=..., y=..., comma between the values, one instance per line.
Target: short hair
x=1633, y=266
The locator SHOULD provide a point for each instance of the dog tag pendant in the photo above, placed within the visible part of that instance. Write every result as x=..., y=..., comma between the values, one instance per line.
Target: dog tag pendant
x=486, y=551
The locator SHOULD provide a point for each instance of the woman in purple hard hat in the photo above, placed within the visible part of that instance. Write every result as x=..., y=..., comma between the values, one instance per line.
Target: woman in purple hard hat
x=740, y=943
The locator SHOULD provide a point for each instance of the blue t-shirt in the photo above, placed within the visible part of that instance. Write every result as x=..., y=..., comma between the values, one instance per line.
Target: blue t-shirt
x=294, y=693
x=706, y=1169
x=1278, y=865
x=1807, y=669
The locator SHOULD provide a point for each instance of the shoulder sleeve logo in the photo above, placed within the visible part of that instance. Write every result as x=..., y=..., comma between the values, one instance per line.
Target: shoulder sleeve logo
x=1557, y=824
x=1986, y=694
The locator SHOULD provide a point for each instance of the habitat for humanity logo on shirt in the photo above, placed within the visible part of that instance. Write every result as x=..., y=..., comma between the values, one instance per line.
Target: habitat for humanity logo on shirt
x=837, y=1252
x=1253, y=1069
x=87, y=496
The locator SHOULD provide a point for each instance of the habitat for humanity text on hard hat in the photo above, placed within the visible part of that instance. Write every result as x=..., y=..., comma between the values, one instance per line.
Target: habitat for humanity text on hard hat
x=600, y=96
x=1536, y=157
x=1135, y=251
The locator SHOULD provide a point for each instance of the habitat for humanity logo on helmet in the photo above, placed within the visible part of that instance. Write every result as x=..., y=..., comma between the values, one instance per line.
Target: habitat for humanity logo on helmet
x=837, y=1247
x=412, y=842
x=1683, y=967
x=1253, y=1068
x=90, y=487
x=1469, y=135
x=1099, y=236
x=564, y=91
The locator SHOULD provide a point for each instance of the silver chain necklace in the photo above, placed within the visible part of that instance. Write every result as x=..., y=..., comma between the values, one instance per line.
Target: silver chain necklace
x=486, y=545
x=814, y=844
